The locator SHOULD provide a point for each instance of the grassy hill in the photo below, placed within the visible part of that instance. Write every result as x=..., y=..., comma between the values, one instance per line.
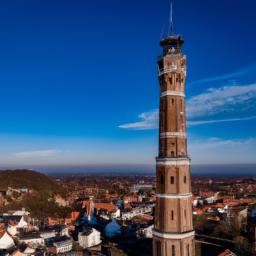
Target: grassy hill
x=41, y=202
x=28, y=179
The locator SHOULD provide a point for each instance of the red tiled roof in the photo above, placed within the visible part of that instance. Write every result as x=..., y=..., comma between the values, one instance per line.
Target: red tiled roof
x=227, y=252
x=106, y=206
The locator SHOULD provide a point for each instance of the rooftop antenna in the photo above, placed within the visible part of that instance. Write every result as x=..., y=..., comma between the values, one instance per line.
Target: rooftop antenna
x=170, y=32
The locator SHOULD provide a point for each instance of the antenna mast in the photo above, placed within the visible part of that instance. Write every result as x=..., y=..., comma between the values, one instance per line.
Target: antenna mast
x=170, y=32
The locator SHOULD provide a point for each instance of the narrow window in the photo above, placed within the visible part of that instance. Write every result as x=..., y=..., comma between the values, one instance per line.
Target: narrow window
x=162, y=179
x=185, y=179
x=158, y=248
x=170, y=80
x=172, y=215
x=180, y=105
x=185, y=214
x=172, y=153
x=172, y=179
x=172, y=101
x=173, y=250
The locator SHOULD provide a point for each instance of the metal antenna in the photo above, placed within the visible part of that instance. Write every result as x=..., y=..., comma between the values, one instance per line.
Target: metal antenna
x=170, y=32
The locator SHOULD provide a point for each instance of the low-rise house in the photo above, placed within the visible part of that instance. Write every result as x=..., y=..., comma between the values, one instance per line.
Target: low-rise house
x=32, y=239
x=89, y=237
x=63, y=244
x=29, y=251
x=61, y=201
x=21, y=212
x=146, y=232
x=129, y=214
x=53, y=231
x=6, y=241
x=47, y=234
x=15, y=223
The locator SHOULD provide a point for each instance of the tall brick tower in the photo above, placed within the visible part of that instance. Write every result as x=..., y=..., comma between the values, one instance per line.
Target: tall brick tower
x=173, y=233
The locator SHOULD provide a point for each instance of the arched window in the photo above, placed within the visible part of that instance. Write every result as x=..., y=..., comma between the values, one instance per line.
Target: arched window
x=172, y=179
x=185, y=179
x=162, y=179
x=172, y=153
x=172, y=215
x=158, y=248
x=173, y=250
x=188, y=254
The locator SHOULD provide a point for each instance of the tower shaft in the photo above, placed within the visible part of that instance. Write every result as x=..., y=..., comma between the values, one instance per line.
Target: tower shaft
x=173, y=231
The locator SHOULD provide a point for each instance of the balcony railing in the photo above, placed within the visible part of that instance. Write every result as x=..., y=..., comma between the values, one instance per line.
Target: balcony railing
x=170, y=70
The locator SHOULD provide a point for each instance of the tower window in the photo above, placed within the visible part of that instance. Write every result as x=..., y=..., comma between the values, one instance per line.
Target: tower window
x=172, y=179
x=172, y=153
x=185, y=214
x=158, y=248
x=185, y=179
x=173, y=250
x=170, y=80
x=172, y=101
x=188, y=250
x=172, y=215
x=162, y=179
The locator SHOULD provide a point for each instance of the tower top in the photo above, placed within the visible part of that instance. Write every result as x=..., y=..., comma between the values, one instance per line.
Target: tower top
x=172, y=40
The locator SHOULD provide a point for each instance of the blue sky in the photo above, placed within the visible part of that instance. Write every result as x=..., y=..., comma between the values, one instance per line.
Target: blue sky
x=79, y=82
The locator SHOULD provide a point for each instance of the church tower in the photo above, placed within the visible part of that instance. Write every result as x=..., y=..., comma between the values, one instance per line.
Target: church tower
x=173, y=233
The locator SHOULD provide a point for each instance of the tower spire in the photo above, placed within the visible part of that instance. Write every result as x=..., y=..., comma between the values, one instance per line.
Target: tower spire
x=170, y=32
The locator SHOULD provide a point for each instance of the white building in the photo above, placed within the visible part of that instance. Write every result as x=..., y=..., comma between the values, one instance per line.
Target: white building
x=63, y=246
x=128, y=215
x=116, y=214
x=16, y=223
x=48, y=234
x=6, y=241
x=32, y=239
x=89, y=238
x=147, y=232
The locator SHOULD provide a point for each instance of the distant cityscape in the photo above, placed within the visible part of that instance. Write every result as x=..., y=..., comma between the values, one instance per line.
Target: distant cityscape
x=113, y=215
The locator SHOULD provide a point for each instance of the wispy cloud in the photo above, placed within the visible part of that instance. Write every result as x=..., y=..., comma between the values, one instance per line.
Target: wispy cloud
x=215, y=105
x=148, y=120
x=226, y=100
x=191, y=123
x=37, y=153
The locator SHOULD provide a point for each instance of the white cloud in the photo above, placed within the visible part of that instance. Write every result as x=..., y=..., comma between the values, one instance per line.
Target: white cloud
x=149, y=120
x=222, y=100
x=191, y=123
x=37, y=153
x=216, y=105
